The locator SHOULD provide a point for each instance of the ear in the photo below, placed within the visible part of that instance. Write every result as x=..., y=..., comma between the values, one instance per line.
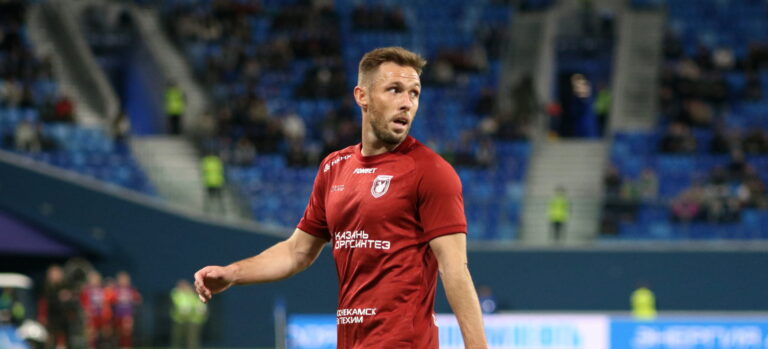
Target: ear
x=361, y=97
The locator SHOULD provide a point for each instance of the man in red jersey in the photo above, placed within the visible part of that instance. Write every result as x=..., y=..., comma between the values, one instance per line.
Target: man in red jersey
x=393, y=213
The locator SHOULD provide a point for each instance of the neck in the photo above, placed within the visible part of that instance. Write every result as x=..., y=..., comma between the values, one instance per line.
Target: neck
x=372, y=145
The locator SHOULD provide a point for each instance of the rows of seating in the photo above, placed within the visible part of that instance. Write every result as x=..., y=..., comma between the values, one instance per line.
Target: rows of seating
x=49, y=134
x=87, y=151
x=708, y=26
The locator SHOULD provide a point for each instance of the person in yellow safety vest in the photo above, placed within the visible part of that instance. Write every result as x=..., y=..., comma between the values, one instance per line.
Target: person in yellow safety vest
x=643, y=303
x=174, y=108
x=188, y=314
x=213, y=179
x=559, y=208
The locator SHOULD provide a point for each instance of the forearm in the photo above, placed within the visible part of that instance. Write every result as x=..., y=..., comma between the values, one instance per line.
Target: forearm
x=275, y=263
x=462, y=297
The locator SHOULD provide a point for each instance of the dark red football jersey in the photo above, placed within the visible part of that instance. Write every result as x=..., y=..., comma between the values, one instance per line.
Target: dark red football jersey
x=379, y=213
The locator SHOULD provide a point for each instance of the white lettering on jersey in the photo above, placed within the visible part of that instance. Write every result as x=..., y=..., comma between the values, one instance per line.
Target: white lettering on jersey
x=353, y=315
x=364, y=170
x=380, y=185
x=335, y=161
x=358, y=239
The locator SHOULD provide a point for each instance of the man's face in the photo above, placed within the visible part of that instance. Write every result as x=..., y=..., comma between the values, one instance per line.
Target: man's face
x=393, y=99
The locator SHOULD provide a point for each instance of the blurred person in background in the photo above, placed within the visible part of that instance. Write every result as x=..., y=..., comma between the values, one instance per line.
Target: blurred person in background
x=643, y=302
x=388, y=203
x=98, y=312
x=174, y=108
x=53, y=309
x=559, y=209
x=27, y=137
x=124, y=299
x=213, y=179
x=188, y=315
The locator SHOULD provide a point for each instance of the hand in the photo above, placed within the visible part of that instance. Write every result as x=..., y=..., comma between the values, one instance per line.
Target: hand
x=212, y=280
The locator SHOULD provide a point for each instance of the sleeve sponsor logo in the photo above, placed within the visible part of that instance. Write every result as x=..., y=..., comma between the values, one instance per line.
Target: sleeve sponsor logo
x=335, y=161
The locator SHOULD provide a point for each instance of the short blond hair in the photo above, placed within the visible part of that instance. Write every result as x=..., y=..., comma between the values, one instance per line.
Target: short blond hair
x=372, y=60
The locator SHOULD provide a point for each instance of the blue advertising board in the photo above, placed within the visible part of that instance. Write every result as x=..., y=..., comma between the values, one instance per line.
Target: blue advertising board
x=305, y=331
x=690, y=333
x=504, y=331
x=9, y=339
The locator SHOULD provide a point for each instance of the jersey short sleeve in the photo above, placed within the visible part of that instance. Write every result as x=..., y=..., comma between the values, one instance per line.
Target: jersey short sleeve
x=314, y=220
x=440, y=202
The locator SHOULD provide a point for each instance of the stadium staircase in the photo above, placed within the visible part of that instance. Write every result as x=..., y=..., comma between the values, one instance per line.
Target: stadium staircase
x=635, y=87
x=173, y=166
x=527, y=54
x=577, y=165
x=54, y=32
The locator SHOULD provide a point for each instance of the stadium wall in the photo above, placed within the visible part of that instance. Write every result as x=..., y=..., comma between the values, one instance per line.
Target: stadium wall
x=157, y=245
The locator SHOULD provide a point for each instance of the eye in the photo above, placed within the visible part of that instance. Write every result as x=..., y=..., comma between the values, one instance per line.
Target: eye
x=393, y=90
x=414, y=94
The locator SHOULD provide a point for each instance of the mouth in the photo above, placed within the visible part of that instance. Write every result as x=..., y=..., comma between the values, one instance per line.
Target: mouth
x=400, y=124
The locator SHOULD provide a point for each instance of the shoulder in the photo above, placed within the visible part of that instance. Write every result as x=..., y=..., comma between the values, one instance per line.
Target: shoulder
x=428, y=161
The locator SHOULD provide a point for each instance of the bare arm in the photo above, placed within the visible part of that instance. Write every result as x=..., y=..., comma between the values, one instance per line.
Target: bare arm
x=282, y=260
x=451, y=253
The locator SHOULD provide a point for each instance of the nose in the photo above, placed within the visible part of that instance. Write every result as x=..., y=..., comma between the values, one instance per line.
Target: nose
x=406, y=103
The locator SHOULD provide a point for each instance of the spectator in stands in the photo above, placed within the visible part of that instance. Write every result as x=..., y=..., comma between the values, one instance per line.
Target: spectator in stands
x=441, y=73
x=678, y=140
x=27, y=137
x=752, y=193
x=174, y=108
x=687, y=206
x=737, y=167
x=64, y=110
x=366, y=17
x=297, y=156
x=612, y=182
x=244, y=152
x=121, y=129
x=648, y=185
x=755, y=142
x=294, y=128
x=486, y=102
x=11, y=92
x=724, y=141
x=753, y=91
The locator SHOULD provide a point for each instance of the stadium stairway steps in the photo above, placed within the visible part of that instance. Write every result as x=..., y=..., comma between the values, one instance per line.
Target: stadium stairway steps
x=635, y=87
x=173, y=167
x=578, y=166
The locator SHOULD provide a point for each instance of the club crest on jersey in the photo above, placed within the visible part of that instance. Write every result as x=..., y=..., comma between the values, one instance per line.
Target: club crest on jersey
x=380, y=185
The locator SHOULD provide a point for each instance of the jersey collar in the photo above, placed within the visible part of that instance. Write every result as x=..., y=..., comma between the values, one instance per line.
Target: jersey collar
x=401, y=148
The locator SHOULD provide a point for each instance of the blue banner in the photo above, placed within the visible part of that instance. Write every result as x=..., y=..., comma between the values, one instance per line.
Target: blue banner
x=311, y=332
x=690, y=333
x=9, y=339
